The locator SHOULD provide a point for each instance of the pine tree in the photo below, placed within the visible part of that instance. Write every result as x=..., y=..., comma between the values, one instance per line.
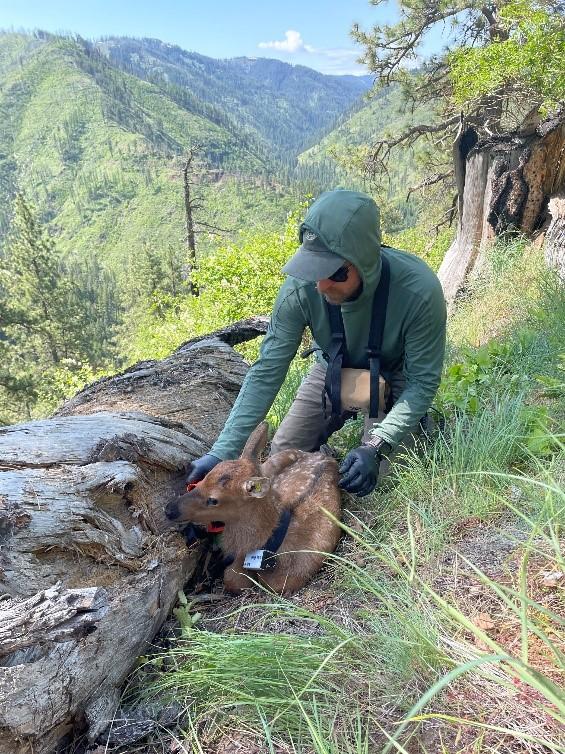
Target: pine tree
x=48, y=315
x=500, y=60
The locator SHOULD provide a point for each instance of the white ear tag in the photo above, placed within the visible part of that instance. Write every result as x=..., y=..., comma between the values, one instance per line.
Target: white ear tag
x=253, y=560
x=260, y=560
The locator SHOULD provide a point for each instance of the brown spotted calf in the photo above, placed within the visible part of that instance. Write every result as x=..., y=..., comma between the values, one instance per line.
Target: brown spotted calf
x=274, y=528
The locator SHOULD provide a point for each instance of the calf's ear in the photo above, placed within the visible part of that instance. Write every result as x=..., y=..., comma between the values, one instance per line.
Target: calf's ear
x=256, y=442
x=257, y=486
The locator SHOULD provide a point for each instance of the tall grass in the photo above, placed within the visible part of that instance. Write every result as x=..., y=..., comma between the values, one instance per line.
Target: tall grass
x=401, y=662
x=438, y=484
x=256, y=675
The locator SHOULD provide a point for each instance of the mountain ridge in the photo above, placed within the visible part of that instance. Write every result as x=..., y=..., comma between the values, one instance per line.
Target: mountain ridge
x=287, y=114
x=99, y=150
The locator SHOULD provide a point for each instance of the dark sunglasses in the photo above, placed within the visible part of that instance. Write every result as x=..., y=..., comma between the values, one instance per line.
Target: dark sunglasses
x=340, y=276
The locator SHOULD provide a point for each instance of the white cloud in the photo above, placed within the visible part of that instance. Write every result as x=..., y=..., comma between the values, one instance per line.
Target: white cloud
x=327, y=60
x=292, y=43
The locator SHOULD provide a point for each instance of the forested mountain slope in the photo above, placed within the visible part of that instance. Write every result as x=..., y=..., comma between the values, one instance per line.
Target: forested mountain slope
x=99, y=151
x=286, y=107
x=346, y=150
x=97, y=154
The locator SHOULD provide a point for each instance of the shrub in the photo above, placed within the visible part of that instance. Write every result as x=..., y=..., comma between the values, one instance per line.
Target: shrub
x=234, y=281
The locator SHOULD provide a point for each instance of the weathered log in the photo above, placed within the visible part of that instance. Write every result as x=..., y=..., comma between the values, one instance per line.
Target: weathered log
x=89, y=568
x=52, y=615
x=506, y=182
x=196, y=385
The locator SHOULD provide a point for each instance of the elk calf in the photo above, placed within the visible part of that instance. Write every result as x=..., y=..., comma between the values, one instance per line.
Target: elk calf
x=271, y=513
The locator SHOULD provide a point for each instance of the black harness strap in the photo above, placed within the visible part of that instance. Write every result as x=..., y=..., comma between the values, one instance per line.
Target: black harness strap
x=272, y=544
x=279, y=533
x=336, y=357
x=337, y=352
x=227, y=561
x=374, y=347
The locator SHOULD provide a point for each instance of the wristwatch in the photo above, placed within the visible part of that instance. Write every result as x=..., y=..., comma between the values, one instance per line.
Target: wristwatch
x=380, y=446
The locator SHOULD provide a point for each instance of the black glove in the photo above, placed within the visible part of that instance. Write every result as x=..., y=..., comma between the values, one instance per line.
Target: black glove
x=360, y=470
x=193, y=533
x=200, y=467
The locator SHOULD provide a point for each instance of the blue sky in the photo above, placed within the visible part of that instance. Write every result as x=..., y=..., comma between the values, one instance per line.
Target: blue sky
x=314, y=33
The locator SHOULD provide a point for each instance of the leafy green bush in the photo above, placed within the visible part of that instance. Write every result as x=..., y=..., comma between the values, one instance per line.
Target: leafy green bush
x=234, y=282
x=469, y=379
x=62, y=382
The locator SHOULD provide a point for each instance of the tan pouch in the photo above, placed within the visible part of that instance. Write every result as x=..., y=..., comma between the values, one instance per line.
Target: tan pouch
x=356, y=390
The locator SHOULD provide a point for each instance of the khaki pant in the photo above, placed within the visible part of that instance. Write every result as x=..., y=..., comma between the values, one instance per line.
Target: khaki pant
x=306, y=425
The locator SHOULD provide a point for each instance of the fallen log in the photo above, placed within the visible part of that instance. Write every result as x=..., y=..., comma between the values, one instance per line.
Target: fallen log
x=89, y=569
x=196, y=385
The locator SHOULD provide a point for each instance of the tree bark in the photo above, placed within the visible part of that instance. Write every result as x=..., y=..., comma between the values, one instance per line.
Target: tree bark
x=89, y=567
x=555, y=236
x=505, y=185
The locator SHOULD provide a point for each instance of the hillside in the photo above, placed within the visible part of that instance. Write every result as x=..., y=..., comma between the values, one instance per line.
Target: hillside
x=345, y=149
x=285, y=107
x=97, y=146
x=108, y=126
x=107, y=151
x=95, y=137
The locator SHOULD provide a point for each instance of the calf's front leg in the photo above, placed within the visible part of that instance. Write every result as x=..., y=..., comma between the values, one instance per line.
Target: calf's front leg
x=236, y=579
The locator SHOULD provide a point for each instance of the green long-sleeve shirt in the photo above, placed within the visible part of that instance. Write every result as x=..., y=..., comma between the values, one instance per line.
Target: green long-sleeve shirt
x=414, y=334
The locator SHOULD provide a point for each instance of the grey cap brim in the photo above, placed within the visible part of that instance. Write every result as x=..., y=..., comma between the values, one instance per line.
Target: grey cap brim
x=313, y=265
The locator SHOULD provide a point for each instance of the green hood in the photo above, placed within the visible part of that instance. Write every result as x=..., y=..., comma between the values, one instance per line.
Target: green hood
x=348, y=223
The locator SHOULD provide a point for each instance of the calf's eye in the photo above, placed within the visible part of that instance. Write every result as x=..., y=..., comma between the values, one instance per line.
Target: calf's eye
x=212, y=501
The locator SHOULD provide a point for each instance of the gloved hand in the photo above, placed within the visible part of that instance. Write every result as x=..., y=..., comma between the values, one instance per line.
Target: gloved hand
x=193, y=533
x=200, y=467
x=359, y=471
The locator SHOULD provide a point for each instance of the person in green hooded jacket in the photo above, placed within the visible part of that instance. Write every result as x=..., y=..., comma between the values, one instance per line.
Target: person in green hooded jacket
x=340, y=262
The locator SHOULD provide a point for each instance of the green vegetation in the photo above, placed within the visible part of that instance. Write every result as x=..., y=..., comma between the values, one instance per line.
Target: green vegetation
x=346, y=151
x=98, y=149
x=436, y=626
x=423, y=239
x=57, y=320
x=107, y=145
x=152, y=312
x=232, y=670
x=500, y=62
x=107, y=151
x=95, y=136
x=528, y=56
x=280, y=106
x=235, y=281
x=109, y=127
